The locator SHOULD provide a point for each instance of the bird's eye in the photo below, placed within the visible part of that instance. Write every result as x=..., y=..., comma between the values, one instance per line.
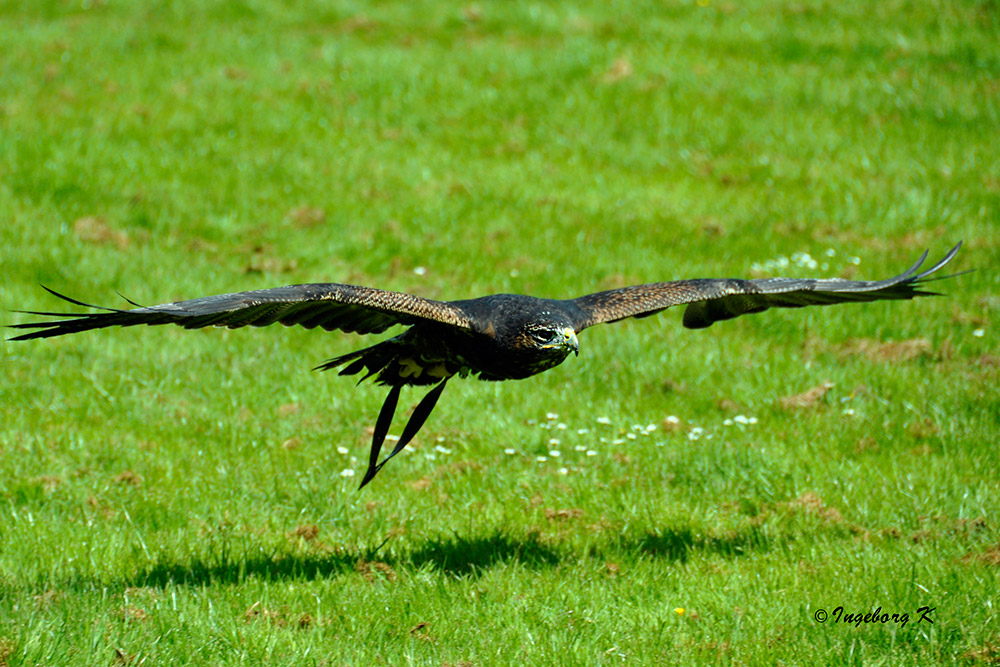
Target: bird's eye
x=540, y=335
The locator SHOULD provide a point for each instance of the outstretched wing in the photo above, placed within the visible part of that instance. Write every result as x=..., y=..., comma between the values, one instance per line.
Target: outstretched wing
x=713, y=300
x=328, y=305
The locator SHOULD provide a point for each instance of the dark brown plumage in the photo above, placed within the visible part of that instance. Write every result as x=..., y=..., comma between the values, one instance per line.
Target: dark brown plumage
x=497, y=337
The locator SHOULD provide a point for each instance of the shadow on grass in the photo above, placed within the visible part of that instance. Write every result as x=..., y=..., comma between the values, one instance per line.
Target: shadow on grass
x=464, y=555
x=454, y=555
x=457, y=555
x=680, y=544
x=200, y=570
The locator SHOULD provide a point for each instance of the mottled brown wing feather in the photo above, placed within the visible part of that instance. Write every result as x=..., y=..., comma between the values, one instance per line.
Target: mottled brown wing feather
x=331, y=306
x=713, y=300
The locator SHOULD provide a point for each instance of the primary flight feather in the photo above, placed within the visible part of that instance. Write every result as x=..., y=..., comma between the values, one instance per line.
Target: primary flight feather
x=496, y=337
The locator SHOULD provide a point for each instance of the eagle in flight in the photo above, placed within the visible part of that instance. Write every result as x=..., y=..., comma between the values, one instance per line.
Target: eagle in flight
x=496, y=337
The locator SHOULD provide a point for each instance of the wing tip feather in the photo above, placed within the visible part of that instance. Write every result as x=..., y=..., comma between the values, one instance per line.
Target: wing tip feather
x=950, y=255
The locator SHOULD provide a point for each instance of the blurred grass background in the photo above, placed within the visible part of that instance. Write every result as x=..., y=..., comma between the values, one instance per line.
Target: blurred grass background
x=180, y=497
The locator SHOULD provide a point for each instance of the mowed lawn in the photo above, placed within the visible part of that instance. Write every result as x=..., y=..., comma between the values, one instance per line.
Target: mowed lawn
x=668, y=497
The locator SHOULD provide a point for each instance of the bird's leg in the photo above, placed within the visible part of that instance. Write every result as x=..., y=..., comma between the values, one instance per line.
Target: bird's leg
x=381, y=429
x=417, y=419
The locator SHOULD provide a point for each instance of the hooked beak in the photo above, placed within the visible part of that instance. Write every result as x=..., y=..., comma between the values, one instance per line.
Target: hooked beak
x=564, y=340
x=569, y=340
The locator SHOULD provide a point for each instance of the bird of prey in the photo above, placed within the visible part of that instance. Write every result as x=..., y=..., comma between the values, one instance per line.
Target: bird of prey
x=496, y=337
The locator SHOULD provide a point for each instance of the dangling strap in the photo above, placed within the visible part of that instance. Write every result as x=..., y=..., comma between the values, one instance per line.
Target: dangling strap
x=417, y=419
x=381, y=429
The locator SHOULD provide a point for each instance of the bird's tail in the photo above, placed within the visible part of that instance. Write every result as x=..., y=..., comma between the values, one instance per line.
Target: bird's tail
x=372, y=359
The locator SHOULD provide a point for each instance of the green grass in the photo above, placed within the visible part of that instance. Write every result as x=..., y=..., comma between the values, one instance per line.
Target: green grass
x=175, y=497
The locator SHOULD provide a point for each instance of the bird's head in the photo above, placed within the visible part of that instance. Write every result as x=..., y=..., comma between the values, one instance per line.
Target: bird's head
x=557, y=337
x=527, y=335
x=544, y=343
